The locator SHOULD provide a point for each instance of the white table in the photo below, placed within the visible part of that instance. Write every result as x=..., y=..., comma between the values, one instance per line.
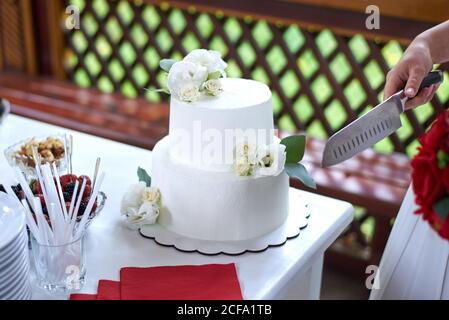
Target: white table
x=292, y=271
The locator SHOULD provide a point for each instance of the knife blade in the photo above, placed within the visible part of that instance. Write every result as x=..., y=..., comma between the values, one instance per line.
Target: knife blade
x=364, y=132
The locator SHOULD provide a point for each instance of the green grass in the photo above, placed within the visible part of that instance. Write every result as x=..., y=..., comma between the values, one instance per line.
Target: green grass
x=293, y=37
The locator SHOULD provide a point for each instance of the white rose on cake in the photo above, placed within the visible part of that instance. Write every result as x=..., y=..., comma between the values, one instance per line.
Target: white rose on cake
x=209, y=59
x=185, y=80
x=189, y=93
x=261, y=160
x=270, y=160
x=137, y=218
x=140, y=205
x=213, y=87
x=133, y=197
x=246, y=150
x=243, y=168
x=151, y=195
x=245, y=158
x=149, y=212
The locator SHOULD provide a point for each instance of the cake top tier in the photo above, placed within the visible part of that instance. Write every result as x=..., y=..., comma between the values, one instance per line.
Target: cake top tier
x=237, y=93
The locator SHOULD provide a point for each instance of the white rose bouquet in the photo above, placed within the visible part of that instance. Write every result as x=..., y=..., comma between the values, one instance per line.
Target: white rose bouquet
x=198, y=73
x=141, y=204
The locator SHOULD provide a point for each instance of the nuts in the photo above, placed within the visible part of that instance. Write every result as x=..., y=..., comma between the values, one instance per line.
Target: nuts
x=50, y=150
x=47, y=155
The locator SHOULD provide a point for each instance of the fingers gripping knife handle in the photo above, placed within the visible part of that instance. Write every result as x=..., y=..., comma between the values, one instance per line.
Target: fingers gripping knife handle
x=433, y=77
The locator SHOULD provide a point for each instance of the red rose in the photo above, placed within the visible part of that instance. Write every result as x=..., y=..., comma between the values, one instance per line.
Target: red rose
x=430, y=175
x=435, y=139
x=427, y=183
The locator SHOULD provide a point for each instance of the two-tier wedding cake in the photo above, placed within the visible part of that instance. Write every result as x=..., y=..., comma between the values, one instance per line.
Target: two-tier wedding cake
x=208, y=199
x=221, y=174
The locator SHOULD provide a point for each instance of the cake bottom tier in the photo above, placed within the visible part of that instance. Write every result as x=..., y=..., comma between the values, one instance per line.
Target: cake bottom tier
x=215, y=205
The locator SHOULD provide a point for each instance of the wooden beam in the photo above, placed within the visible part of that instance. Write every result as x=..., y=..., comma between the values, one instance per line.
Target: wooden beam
x=432, y=11
x=48, y=15
x=43, y=52
x=342, y=21
x=55, y=24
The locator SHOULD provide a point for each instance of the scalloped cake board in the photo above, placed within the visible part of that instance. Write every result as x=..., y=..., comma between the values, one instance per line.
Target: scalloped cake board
x=296, y=221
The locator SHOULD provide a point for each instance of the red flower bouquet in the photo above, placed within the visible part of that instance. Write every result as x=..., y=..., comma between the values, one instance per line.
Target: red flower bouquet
x=430, y=176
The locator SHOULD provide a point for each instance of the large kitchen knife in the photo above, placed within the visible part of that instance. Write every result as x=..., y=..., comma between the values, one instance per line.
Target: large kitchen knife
x=381, y=121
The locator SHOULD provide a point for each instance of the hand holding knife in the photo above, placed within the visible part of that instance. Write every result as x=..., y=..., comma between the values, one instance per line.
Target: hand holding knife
x=381, y=121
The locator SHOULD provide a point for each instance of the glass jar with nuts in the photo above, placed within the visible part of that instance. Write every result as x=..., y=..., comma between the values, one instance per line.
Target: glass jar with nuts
x=49, y=149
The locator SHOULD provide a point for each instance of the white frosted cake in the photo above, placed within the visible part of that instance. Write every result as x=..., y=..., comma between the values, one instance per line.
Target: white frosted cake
x=207, y=199
x=221, y=174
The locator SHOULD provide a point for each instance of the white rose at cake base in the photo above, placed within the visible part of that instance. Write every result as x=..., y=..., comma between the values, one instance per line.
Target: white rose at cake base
x=140, y=205
x=151, y=195
x=133, y=197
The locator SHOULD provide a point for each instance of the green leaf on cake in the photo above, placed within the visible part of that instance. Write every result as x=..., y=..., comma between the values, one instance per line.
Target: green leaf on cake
x=214, y=75
x=294, y=148
x=144, y=176
x=166, y=64
x=297, y=170
x=442, y=208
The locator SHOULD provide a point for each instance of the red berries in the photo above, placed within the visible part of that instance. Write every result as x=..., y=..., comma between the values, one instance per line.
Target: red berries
x=88, y=182
x=68, y=185
x=87, y=192
x=66, y=179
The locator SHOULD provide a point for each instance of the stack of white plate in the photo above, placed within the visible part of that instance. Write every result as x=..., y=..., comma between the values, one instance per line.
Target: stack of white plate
x=14, y=258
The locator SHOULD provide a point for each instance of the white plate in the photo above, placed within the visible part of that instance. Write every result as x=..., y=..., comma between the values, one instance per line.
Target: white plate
x=22, y=271
x=12, y=220
x=16, y=280
x=12, y=244
x=20, y=288
x=9, y=269
x=17, y=290
x=8, y=259
x=12, y=269
x=25, y=294
x=21, y=295
x=21, y=238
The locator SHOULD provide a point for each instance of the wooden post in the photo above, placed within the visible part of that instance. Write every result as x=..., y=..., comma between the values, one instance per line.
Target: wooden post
x=48, y=15
x=30, y=49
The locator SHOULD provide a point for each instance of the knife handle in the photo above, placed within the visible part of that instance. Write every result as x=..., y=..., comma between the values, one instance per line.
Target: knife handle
x=434, y=77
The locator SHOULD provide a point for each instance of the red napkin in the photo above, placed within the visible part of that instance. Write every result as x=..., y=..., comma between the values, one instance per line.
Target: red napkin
x=205, y=282
x=108, y=290
x=82, y=296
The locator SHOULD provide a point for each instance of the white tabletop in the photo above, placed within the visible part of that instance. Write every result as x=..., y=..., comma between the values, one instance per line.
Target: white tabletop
x=111, y=246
